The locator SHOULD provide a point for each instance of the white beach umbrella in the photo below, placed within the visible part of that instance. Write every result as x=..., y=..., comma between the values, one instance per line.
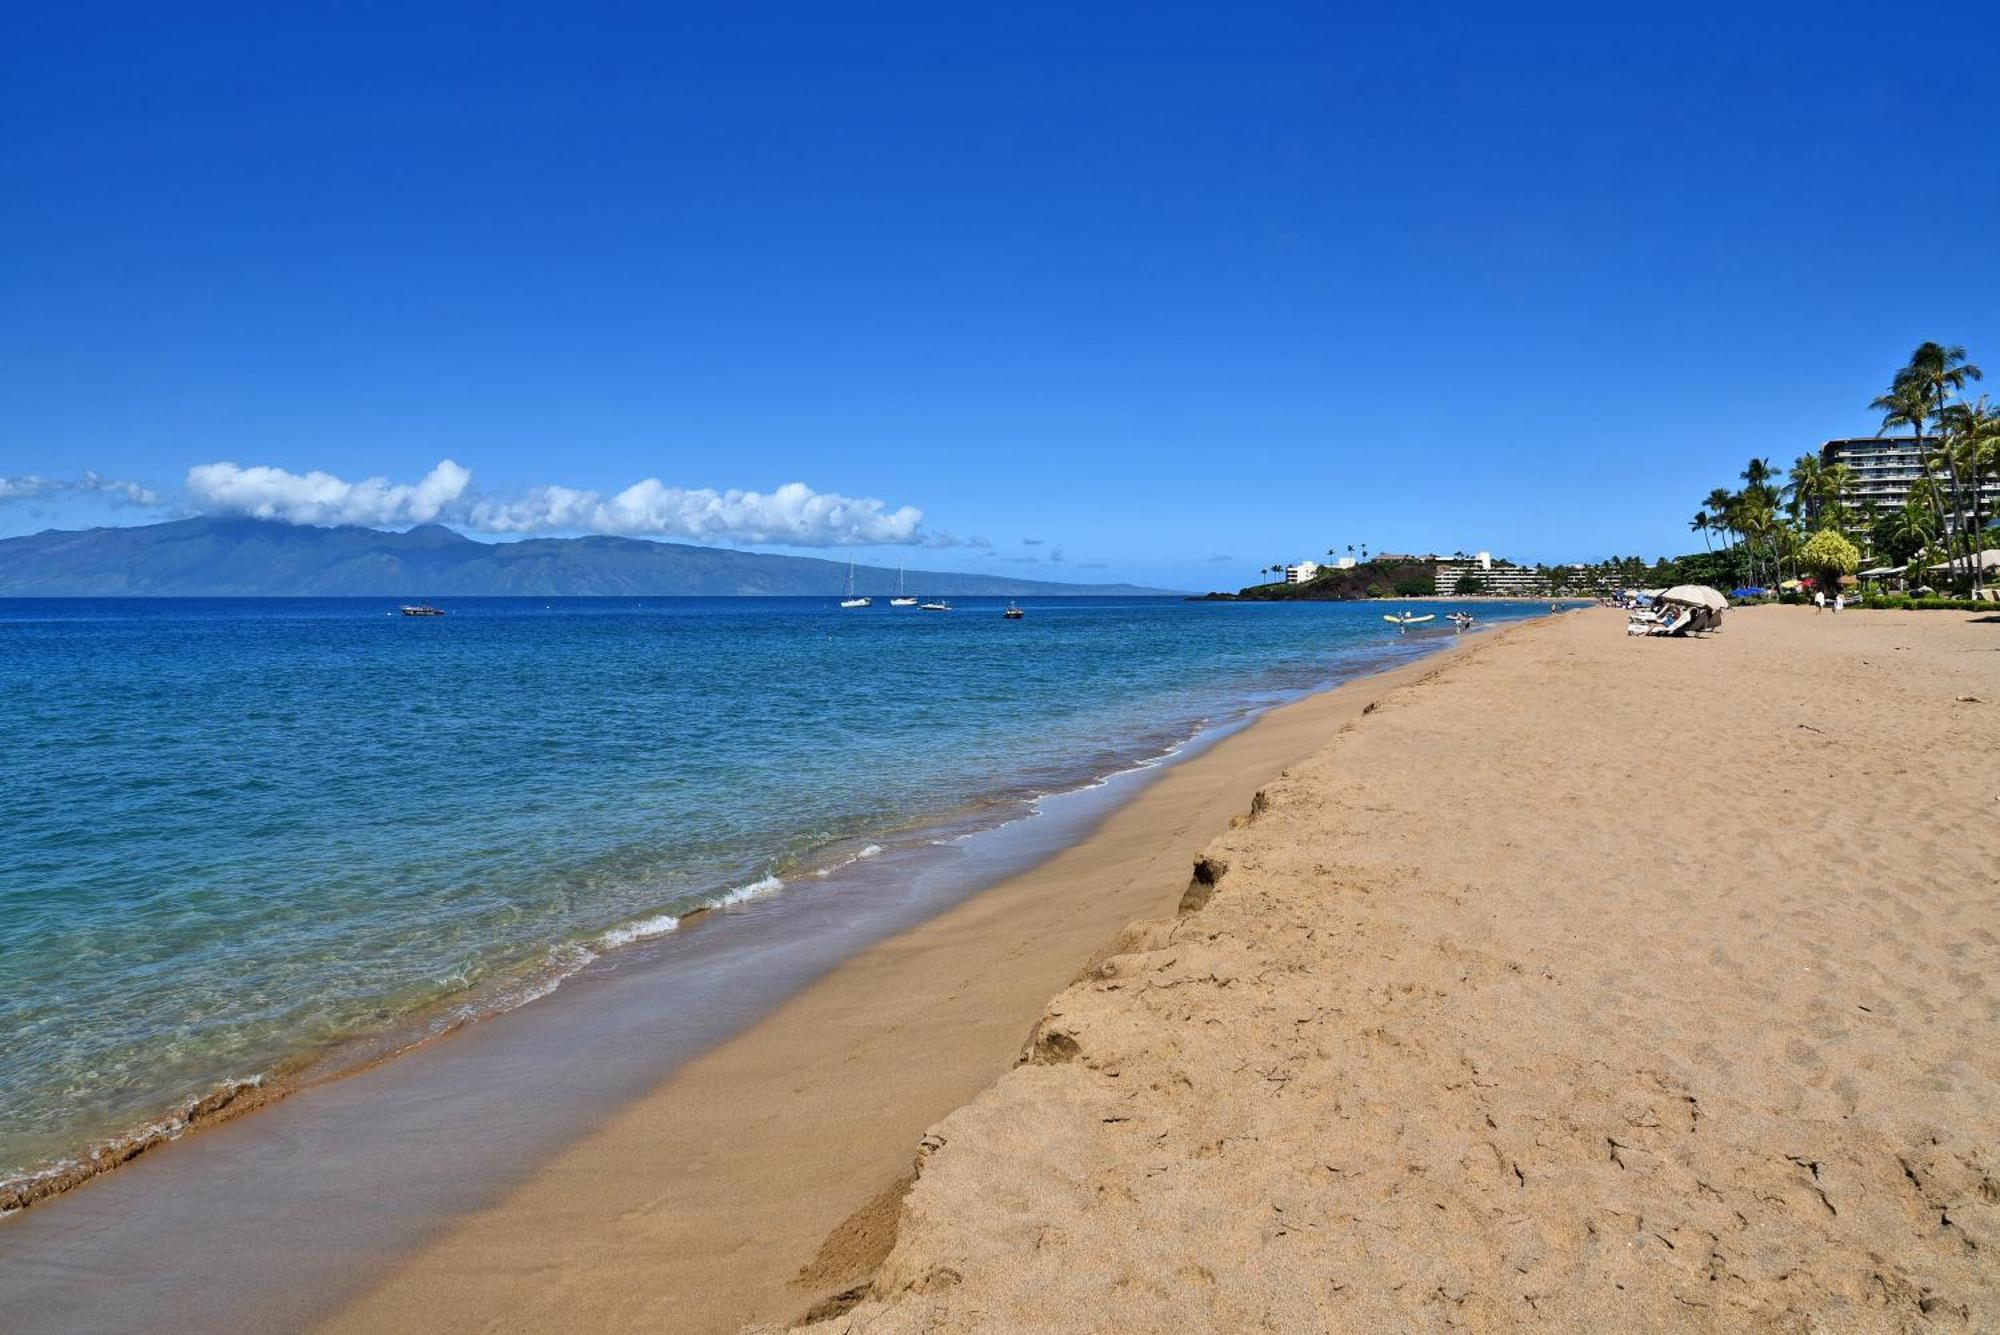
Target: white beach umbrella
x=1694, y=595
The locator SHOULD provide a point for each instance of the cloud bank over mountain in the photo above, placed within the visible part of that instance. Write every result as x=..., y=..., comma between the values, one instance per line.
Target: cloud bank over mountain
x=117, y=490
x=322, y=498
x=792, y=515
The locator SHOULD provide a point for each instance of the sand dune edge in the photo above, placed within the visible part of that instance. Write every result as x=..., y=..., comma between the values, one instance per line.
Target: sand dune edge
x=1593, y=983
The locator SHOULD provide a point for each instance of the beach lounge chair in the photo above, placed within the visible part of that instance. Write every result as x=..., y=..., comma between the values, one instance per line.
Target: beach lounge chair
x=1677, y=622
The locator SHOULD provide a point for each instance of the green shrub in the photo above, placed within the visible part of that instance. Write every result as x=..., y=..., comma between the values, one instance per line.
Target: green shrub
x=1829, y=556
x=1902, y=602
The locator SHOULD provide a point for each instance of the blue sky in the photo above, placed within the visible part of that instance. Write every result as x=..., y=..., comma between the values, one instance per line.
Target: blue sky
x=1132, y=287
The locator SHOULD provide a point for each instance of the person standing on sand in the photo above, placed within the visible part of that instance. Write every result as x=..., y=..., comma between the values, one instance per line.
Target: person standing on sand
x=1819, y=600
x=1839, y=601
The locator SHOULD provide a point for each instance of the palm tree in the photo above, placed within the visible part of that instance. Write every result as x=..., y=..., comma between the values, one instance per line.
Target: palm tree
x=1835, y=482
x=1910, y=529
x=1718, y=503
x=1934, y=373
x=1804, y=487
x=1701, y=525
x=1971, y=441
x=1908, y=404
x=1754, y=519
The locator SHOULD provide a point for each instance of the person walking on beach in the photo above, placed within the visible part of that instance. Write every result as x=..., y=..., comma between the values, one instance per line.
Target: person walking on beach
x=1819, y=600
x=1839, y=601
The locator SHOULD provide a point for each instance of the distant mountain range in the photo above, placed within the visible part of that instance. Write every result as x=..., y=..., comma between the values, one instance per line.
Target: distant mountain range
x=227, y=557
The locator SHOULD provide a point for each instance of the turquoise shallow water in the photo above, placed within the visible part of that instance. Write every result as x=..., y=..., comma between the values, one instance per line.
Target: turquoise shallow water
x=237, y=833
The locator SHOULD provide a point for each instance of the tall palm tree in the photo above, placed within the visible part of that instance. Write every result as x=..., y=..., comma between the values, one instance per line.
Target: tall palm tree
x=1701, y=525
x=1908, y=404
x=1836, y=481
x=1970, y=433
x=1755, y=519
x=1718, y=503
x=1911, y=528
x=1935, y=372
x=1804, y=487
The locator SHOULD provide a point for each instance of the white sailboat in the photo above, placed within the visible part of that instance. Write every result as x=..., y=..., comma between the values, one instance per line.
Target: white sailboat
x=901, y=599
x=850, y=600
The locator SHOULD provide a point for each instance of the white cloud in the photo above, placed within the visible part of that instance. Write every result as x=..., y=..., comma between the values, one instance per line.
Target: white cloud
x=26, y=488
x=322, y=498
x=792, y=515
x=119, y=491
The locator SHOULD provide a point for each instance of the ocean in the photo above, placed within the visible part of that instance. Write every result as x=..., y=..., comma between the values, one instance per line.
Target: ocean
x=242, y=838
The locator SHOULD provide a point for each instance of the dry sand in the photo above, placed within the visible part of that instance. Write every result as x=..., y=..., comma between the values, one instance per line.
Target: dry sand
x=764, y=1177
x=1592, y=984
x=1588, y=983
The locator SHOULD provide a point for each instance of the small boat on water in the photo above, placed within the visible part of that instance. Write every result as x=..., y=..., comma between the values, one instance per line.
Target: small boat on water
x=1405, y=620
x=1462, y=620
x=1013, y=613
x=850, y=600
x=421, y=610
x=901, y=599
x=939, y=606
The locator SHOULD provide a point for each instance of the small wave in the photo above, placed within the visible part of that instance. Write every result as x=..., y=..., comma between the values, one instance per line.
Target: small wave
x=226, y=1099
x=644, y=929
x=744, y=893
x=873, y=850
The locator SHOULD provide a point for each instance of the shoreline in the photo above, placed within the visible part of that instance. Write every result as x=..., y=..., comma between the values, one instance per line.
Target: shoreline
x=163, y=1166
x=755, y=1183
x=543, y=969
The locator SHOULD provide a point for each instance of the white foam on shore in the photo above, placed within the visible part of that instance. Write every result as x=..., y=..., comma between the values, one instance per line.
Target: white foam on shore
x=744, y=893
x=873, y=850
x=643, y=930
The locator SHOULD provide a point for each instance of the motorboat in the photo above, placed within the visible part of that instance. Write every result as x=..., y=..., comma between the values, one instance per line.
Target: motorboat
x=939, y=606
x=1013, y=613
x=421, y=610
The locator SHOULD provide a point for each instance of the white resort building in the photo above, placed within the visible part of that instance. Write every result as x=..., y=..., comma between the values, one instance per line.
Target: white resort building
x=1885, y=468
x=1495, y=577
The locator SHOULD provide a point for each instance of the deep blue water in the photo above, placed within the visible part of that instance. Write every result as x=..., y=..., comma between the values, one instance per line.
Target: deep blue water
x=234, y=833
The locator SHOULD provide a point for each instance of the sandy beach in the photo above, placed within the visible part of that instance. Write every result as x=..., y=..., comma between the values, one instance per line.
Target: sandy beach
x=1579, y=981
x=1592, y=983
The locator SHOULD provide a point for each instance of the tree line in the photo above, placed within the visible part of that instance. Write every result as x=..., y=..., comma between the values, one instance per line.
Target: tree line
x=1815, y=520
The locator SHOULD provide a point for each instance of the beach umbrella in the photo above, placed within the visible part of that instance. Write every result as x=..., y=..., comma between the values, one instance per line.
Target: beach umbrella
x=1694, y=595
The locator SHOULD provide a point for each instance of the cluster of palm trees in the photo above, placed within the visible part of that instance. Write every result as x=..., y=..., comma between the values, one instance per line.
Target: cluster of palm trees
x=1767, y=520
